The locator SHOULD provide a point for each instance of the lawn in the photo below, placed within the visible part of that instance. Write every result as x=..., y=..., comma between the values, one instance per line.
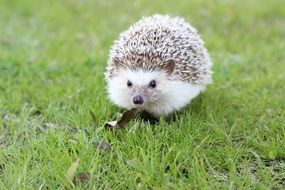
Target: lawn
x=53, y=56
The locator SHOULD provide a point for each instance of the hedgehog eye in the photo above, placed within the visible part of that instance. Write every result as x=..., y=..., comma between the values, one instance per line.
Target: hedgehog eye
x=129, y=84
x=152, y=84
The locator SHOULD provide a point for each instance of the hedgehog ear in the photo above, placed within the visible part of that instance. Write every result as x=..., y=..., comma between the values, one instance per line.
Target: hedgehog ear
x=169, y=66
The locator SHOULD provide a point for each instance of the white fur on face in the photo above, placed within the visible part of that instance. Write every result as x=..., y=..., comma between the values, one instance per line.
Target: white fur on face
x=169, y=95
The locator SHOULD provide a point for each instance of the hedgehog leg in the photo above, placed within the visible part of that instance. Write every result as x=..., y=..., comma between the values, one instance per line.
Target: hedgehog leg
x=147, y=117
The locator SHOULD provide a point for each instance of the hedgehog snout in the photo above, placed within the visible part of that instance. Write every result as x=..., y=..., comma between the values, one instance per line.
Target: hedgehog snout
x=138, y=100
x=140, y=96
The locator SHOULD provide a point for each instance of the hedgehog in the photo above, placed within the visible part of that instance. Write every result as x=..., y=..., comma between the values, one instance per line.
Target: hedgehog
x=158, y=65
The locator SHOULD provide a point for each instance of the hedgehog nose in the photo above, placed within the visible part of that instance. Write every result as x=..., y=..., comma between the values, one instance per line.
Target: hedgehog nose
x=138, y=100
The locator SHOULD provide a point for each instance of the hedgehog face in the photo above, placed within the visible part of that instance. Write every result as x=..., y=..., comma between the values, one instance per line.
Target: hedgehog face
x=136, y=89
x=156, y=92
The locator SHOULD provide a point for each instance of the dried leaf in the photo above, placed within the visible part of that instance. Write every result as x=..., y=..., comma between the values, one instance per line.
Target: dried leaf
x=82, y=177
x=71, y=171
x=110, y=124
x=93, y=116
x=102, y=146
x=126, y=118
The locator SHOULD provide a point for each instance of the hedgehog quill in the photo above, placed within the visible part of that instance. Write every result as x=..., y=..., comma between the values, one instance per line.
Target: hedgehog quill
x=158, y=65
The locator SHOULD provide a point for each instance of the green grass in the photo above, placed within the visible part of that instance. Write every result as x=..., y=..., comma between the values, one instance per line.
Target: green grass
x=52, y=59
